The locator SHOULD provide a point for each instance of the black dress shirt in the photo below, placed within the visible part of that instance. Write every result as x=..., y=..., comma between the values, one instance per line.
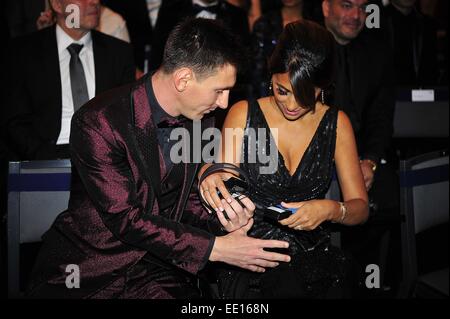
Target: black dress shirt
x=164, y=124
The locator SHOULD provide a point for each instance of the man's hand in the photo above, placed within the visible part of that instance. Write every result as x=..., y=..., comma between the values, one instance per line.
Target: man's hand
x=239, y=250
x=238, y=215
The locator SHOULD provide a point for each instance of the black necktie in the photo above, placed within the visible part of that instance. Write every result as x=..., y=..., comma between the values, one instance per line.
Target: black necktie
x=77, y=78
x=212, y=9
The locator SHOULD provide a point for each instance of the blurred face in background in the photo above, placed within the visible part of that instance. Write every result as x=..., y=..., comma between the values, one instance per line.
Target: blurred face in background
x=345, y=19
x=240, y=3
x=404, y=4
x=89, y=12
x=292, y=3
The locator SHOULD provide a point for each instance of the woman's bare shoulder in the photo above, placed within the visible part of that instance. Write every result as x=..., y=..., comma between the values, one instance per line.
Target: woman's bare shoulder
x=343, y=121
x=237, y=115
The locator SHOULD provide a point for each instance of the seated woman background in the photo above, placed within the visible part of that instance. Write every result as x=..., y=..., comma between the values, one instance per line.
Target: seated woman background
x=312, y=139
x=266, y=31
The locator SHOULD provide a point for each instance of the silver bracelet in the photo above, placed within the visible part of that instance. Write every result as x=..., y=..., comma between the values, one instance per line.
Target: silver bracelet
x=343, y=210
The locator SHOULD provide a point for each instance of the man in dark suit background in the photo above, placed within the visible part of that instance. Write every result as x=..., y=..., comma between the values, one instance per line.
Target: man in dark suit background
x=235, y=18
x=174, y=11
x=413, y=37
x=364, y=90
x=134, y=228
x=22, y=15
x=49, y=78
x=363, y=80
x=140, y=26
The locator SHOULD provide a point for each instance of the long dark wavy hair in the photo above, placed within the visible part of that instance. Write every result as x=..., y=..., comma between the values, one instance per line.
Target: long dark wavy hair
x=306, y=51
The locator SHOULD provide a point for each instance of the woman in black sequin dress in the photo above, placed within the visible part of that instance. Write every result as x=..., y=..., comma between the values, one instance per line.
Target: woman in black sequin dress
x=308, y=139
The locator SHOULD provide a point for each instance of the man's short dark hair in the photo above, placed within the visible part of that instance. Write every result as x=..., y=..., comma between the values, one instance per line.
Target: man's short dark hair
x=305, y=50
x=202, y=45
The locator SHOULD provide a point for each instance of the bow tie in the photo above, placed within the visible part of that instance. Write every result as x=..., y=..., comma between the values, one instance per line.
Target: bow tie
x=212, y=9
x=172, y=122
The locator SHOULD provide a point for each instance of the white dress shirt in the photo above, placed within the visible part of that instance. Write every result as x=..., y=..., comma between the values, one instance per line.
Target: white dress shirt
x=205, y=14
x=87, y=60
x=153, y=10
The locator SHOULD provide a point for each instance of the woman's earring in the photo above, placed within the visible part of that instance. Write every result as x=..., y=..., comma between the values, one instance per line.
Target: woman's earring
x=322, y=94
x=270, y=87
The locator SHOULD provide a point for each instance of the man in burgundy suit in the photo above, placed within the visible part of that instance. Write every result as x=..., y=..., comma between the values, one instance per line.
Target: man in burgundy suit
x=136, y=229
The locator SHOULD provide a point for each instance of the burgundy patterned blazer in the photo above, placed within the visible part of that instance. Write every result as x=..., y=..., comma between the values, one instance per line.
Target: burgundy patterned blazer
x=114, y=219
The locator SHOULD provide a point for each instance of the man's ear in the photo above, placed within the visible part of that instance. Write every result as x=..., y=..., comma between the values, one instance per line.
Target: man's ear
x=326, y=8
x=182, y=78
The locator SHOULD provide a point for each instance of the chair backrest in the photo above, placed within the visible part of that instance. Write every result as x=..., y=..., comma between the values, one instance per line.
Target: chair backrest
x=37, y=192
x=421, y=119
x=423, y=205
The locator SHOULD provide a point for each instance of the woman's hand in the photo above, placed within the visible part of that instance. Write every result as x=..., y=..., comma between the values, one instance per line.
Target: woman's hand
x=46, y=19
x=309, y=214
x=237, y=216
x=368, y=173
